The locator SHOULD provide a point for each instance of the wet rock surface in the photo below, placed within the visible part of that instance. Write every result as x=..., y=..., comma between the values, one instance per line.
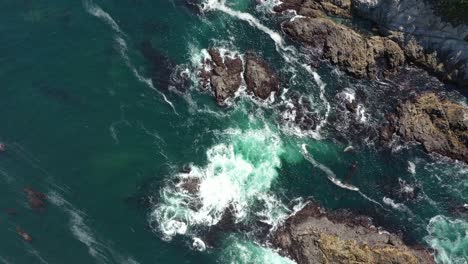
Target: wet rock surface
x=260, y=79
x=440, y=125
x=225, y=73
x=225, y=81
x=428, y=41
x=313, y=235
x=359, y=56
x=314, y=7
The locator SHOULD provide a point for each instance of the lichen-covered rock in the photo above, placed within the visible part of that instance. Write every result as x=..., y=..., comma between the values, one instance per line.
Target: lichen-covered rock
x=307, y=7
x=259, y=78
x=314, y=236
x=359, y=56
x=440, y=125
x=428, y=41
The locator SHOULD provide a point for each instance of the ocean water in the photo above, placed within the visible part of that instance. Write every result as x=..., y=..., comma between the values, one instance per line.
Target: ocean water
x=96, y=113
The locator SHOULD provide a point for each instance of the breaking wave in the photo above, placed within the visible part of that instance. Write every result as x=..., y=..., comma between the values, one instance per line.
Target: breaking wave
x=449, y=237
x=237, y=175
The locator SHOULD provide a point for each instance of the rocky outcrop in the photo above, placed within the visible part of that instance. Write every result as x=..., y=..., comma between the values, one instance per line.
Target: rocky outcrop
x=440, y=125
x=428, y=41
x=223, y=73
x=314, y=236
x=314, y=7
x=260, y=80
x=359, y=56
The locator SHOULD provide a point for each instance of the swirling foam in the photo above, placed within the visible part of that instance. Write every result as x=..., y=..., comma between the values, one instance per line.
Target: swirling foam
x=237, y=175
x=449, y=237
x=240, y=252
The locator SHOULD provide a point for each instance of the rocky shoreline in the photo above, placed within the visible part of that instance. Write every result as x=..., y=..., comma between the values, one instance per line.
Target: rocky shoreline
x=438, y=124
x=313, y=236
x=405, y=36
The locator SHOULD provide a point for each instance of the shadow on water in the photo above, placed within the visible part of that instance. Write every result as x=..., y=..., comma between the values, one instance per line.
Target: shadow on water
x=59, y=94
x=159, y=65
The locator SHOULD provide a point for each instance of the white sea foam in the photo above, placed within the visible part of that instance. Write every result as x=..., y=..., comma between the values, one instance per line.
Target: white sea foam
x=449, y=237
x=220, y=5
x=330, y=174
x=332, y=177
x=97, y=11
x=241, y=251
x=198, y=244
x=237, y=175
x=398, y=206
x=411, y=167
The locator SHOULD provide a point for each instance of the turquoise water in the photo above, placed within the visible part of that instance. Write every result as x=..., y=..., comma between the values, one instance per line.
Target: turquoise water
x=84, y=123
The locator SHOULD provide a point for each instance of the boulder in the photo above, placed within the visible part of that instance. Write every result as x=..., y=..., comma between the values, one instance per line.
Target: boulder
x=440, y=125
x=314, y=236
x=224, y=75
x=260, y=79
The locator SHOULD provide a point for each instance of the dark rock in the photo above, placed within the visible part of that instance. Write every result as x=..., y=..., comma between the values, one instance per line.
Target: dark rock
x=36, y=200
x=216, y=57
x=314, y=8
x=159, y=65
x=351, y=106
x=190, y=184
x=438, y=124
x=359, y=56
x=225, y=75
x=314, y=236
x=299, y=111
x=259, y=77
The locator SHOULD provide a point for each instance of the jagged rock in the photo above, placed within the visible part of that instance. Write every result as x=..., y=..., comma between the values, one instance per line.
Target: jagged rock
x=259, y=78
x=314, y=236
x=359, y=56
x=438, y=46
x=438, y=124
x=313, y=8
x=225, y=75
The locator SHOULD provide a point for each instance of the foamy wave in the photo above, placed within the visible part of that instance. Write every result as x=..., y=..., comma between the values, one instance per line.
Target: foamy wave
x=398, y=206
x=237, y=175
x=240, y=251
x=449, y=237
x=220, y=5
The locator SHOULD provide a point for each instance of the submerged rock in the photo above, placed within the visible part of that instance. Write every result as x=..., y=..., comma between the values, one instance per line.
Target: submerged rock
x=440, y=125
x=36, y=200
x=359, y=56
x=259, y=78
x=313, y=236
